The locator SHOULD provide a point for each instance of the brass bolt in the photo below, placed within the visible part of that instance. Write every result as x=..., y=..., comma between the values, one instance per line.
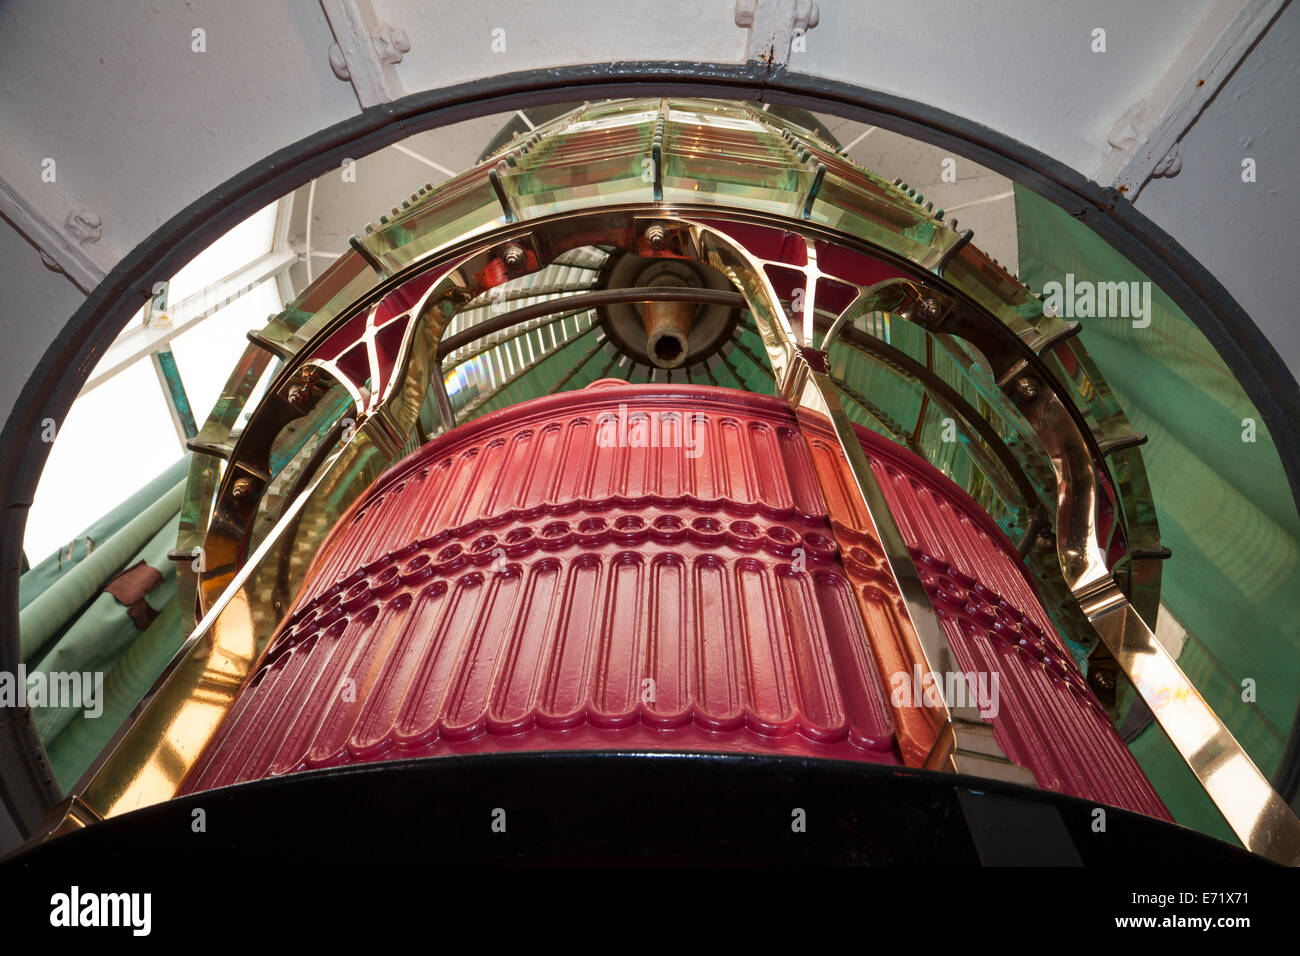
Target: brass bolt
x=514, y=257
x=656, y=236
x=1026, y=388
x=309, y=375
x=927, y=310
x=242, y=489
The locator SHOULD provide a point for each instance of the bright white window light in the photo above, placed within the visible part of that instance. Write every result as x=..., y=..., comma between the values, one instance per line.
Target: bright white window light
x=120, y=435
x=207, y=353
x=250, y=240
x=113, y=442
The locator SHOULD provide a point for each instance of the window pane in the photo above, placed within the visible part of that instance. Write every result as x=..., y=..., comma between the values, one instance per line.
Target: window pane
x=114, y=440
x=207, y=353
x=249, y=240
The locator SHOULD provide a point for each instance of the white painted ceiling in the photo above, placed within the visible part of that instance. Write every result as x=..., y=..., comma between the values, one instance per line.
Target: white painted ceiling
x=140, y=125
x=979, y=198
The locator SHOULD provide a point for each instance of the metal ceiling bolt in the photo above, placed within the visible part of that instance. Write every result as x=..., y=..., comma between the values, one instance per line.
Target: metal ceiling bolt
x=514, y=257
x=390, y=43
x=338, y=62
x=656, y=236
x=84, y=225
x=1025, y=388
x=806, y=15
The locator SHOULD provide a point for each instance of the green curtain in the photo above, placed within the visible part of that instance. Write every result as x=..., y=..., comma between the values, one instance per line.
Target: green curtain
x=69, y=623
x=1224, y=505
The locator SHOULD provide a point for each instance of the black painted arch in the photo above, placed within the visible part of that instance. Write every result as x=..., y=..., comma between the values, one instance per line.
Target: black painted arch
x=28, y=786
x=616, y=808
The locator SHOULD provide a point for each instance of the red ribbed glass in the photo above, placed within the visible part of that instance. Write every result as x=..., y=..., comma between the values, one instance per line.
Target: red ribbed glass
x=521, y=584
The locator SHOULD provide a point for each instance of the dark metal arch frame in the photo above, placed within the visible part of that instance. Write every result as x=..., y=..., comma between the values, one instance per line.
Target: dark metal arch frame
x=28, y=785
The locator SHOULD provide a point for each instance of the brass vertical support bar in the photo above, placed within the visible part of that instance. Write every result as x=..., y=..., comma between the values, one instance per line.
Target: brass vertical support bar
x=906, y=635
x=440, y=397
x=960, y=739
x=1260, y=818
x=657, y=150
x=809, y=304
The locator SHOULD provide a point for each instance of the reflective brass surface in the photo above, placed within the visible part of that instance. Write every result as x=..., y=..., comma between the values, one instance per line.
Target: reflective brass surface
x=861, y=521
x=953, y=291
x=1260, y=818
x=169, y=729
x=173, y=724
